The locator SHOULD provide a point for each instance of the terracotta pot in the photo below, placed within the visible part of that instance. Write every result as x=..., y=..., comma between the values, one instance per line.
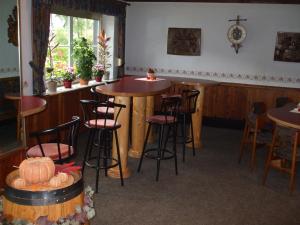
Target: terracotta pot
x=83, y=82
x=67, y=84
x=98, y=79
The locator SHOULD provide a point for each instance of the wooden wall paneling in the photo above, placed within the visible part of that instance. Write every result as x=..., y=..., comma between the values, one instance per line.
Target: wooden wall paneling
x=60, y=109
x=7, y=162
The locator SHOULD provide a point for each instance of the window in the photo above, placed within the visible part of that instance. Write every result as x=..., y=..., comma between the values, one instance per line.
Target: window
x=64, y=30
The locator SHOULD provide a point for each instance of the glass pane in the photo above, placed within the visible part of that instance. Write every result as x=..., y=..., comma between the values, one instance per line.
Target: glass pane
x=83, y=28
x=60, y=27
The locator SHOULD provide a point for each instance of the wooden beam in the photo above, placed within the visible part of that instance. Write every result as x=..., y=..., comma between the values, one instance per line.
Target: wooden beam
x=229, y=1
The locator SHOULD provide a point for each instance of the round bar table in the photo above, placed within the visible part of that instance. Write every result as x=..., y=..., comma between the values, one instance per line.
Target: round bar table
x=199, y=85
x=284, y=117
x=142, y=91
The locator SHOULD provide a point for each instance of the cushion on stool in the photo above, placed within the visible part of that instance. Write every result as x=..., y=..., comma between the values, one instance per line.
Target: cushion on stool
x=161, y=119
x=171, y=96
x=103, y=109
x=99, y=123
x=50, y=150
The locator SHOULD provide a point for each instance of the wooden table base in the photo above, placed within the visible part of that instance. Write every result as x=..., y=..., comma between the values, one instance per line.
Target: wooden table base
x=138, y=126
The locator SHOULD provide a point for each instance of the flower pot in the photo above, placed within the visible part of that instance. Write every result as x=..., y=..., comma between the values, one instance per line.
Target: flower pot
x=52, y=86
x=98, y=79
x=83, y=82
x=106, y=76
x=67, y=84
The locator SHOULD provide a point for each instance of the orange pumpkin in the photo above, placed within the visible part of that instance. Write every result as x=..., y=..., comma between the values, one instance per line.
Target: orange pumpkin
x=37, y=170
x=63, y=177
x=55, y=181
x=19, y=183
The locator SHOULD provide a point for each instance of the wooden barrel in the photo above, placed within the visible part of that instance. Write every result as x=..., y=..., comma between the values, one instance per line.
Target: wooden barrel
x=30, y=205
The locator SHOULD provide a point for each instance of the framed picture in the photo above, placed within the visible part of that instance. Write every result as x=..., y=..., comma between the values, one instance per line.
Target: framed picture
x=287, y=47
x=184, y=41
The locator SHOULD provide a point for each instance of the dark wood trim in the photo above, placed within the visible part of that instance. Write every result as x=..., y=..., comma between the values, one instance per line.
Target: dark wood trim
x=229, y=1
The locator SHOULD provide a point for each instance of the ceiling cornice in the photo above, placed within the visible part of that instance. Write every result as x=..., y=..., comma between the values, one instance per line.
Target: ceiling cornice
x=229, y=1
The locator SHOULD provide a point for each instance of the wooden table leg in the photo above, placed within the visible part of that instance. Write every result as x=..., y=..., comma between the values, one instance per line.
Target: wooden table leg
x=138, y=126
x=123, y=139
x=197, y=118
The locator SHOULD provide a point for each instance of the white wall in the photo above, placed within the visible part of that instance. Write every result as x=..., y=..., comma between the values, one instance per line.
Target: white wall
x=9, y=61
x=146, y=41
x=26, y=46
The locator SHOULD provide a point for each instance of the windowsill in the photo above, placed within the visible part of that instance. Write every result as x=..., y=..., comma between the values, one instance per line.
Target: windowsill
x=77, y=86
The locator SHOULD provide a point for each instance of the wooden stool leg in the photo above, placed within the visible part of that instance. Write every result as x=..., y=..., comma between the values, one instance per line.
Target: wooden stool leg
x=253, y=151
x=293, y=163
x=269, y=158
x=244, y=138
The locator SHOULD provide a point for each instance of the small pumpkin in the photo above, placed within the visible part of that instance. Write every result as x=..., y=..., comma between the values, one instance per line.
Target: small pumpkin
x=63, y=177
x=19, y=183
x=37, y=170
x=55, y=181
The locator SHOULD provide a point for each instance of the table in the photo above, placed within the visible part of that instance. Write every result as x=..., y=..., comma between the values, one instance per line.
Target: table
x=26, y=106
x=143, y=100
x=199, y=85
x=283, y=117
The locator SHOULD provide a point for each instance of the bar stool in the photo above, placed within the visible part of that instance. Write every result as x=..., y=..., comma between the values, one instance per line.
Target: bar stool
x=166, y=119
x=103, y=125
x=284, y=153
x=186, y=110
x=256, y=132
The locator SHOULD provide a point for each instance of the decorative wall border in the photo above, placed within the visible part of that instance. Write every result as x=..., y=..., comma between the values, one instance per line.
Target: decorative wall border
x=8, y=69
x=256, y=79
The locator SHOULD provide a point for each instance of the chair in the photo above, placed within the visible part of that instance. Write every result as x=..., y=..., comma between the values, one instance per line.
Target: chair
x=103, y=98
x=166, y=119
x=102, y=125
x=186, y=110
x=284, y=153
x=62, y=145
x=256, y=131
x=282, y=101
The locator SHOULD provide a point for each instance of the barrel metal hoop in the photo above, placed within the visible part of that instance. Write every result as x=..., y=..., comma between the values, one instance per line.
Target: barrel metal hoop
x=36, y=198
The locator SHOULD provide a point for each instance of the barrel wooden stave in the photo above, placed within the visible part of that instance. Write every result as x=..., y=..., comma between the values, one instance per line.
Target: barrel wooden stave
x=13, y=210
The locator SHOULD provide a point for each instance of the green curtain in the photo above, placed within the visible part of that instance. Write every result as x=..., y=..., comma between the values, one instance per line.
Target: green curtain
x=40, y=35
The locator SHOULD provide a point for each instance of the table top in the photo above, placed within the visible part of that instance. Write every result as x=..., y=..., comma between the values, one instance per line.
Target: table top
x=192, y=81
x=132, y=86
x=12, y=96
x=31, y=105
x=283, y=116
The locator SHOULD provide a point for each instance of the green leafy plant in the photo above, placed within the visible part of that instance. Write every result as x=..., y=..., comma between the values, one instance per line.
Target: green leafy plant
x=84, y=58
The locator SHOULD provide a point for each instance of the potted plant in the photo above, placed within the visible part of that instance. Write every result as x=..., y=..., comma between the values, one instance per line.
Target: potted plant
x=98, y=71
x=68, y=75
x=104, y=54
x=151, y=74
x=84, y=58
x=51, y=77
x=52, y=80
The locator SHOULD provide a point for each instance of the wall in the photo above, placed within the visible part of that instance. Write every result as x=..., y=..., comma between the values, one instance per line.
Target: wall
x=146, y=41
x=9, y=63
